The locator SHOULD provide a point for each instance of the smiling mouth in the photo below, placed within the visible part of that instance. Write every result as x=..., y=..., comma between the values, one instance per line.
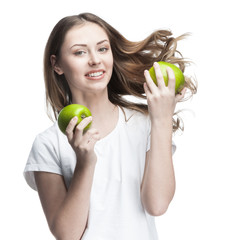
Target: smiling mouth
x=95, y=74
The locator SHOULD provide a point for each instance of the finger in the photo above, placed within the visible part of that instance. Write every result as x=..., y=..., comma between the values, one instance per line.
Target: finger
x=146, y=89
x=80, y=127
x=150, y=84
x=94, y=138
x=70, y=128
x=88, y=135
x=180, y=95
x=171, y=79
x=92, y=131
x=159, y=76
x=79, y=131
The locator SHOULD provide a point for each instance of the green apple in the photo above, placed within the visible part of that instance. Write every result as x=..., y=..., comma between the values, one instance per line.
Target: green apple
x=179, y=77
x=70, y=111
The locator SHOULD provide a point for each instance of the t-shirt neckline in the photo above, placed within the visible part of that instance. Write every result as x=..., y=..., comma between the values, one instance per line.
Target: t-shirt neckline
x=120, y=113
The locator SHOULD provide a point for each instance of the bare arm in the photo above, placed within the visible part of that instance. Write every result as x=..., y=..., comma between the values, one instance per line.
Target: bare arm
x=67, y=211
x=158, y=185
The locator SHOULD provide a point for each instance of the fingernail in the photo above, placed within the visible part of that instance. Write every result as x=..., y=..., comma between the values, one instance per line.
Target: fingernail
x=75, y=118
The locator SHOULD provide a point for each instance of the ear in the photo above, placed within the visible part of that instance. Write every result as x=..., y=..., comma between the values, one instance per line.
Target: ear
x=55, y=66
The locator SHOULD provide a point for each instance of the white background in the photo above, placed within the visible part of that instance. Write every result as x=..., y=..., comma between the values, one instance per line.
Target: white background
x=207, y=200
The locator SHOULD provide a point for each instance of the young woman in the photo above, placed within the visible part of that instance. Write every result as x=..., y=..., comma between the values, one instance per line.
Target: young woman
x=109, y=182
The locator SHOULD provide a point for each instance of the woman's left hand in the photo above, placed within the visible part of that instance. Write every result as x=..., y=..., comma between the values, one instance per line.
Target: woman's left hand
x=161, y=99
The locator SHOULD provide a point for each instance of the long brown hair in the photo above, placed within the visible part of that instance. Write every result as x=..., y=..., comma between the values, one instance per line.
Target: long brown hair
x=130, y=61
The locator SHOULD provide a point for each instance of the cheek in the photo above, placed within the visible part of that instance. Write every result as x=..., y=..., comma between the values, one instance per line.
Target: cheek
x=72, y=69
x=110, y=62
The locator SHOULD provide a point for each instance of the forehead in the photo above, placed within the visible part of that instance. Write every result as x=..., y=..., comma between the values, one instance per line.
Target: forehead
x=87, y=33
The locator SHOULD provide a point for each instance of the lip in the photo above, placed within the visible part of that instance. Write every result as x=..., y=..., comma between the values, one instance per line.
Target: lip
x=97, y=77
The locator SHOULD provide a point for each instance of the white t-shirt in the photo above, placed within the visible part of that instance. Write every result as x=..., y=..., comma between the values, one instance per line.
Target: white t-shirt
x=116, y=211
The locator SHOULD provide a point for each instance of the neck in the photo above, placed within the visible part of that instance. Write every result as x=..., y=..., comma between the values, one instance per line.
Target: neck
x=98, y=104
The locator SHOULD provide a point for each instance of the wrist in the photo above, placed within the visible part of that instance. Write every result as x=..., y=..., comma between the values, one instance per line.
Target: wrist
x=162, y=123
x=85, y=165
x=162, y=130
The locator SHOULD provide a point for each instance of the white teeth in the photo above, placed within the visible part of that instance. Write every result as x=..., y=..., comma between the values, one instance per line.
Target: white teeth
x=95, y=74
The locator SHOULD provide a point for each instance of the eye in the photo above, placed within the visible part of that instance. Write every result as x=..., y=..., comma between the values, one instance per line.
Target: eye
x=103, y=49
x=79, y=53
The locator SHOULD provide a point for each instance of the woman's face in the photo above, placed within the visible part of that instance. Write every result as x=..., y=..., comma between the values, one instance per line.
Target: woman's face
x=86, y=59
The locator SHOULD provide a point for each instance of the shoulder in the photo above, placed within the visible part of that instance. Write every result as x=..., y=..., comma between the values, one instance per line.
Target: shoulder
x=49, y=136
x=50, y=131
x=131, y=115
x=46, y=146
x=44, y=155
x=136, y=119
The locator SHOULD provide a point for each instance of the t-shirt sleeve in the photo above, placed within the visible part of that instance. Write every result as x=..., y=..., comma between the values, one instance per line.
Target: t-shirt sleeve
x=149, y=137
x=42, y=157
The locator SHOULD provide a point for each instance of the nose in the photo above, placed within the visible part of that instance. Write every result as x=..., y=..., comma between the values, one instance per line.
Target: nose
x=94, y=59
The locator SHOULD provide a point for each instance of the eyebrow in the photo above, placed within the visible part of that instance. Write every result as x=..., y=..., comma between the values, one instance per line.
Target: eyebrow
x=85, y=45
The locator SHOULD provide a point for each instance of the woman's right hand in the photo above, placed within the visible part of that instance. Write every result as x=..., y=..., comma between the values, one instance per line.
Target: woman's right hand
x=83, y=142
